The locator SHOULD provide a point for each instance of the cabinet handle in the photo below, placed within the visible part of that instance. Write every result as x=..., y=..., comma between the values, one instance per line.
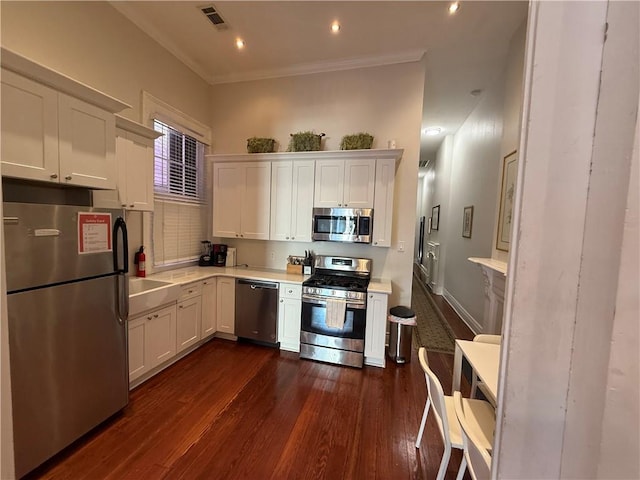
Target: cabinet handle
x=370, y=296
x=68, y=177
x=180, y=306
x=287, y=238
x=132, y=205
x=155, y=315
x=149, y=317
x=293, y=238
x=375, y=243
x=54, y=175
x=237, y=235
x=190, y=291
x=124, y=205
x=241, y=235
x=281, y=300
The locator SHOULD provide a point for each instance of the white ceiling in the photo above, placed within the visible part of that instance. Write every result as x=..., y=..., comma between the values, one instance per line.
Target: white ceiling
x=464, y=51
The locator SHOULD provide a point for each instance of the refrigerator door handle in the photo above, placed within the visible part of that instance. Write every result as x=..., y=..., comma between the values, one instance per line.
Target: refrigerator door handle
x=122, y=281
x=122, y=292
x=120, y=225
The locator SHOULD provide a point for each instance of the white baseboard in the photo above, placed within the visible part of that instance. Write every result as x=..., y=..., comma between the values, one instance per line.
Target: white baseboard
x=466, y=317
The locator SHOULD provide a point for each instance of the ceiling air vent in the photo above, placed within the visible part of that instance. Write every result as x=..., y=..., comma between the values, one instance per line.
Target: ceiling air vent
x=423, y=163
x=214, y=17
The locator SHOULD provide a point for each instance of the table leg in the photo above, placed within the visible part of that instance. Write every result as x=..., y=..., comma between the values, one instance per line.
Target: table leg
x=457, y=369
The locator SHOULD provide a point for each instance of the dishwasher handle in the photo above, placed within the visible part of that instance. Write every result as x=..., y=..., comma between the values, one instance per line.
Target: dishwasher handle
x=254, y=285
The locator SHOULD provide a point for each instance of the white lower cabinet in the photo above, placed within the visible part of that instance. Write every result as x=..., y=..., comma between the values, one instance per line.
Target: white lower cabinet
x=376, y=330
x=152, y=340
x=189, y=321
x=209, y=313
x=289, y=313
x=226, y=305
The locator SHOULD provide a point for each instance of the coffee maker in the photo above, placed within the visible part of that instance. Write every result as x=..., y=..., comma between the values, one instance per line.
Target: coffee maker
x=213, y=254
x=218, y=254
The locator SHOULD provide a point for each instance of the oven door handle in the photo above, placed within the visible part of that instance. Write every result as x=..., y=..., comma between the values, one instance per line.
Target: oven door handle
x=308, y=298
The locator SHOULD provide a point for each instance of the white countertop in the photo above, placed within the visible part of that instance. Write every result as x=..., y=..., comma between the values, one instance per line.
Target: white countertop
x=194, y=273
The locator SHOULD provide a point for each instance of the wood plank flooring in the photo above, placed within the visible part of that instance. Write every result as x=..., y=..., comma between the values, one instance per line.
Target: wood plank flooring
x=240, y=411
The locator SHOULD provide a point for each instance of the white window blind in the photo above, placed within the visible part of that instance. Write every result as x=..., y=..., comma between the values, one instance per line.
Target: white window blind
x=178, y=229
x=178, y=160
x=179, y=217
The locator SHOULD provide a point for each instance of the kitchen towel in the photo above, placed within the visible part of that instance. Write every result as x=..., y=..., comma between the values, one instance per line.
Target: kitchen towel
x=336, y=310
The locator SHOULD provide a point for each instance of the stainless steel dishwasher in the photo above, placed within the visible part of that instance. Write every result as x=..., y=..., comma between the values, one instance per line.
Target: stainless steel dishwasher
x=257, y=311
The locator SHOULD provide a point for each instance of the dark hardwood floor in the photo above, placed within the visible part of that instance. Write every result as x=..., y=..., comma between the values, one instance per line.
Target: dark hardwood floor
x=239, y=411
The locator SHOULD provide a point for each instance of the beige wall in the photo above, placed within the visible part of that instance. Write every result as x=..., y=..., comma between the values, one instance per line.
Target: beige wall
x=384, y=101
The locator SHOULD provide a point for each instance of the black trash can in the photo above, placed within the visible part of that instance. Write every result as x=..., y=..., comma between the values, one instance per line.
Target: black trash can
x=401, y=323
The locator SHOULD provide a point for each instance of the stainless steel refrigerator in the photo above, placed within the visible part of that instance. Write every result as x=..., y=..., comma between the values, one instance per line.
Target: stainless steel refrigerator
x=67, y=299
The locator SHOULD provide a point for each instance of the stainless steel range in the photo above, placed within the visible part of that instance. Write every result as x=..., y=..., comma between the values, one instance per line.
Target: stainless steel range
x=334, y=310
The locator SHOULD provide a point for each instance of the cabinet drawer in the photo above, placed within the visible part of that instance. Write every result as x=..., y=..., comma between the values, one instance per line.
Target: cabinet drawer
x=190, y=291
x=290, y=290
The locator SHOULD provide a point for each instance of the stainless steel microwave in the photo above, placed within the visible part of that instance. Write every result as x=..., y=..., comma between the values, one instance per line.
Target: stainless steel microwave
x=353, y=225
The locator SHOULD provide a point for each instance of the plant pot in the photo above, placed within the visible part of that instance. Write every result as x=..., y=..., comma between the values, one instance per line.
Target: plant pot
x=357, y=141
x=305, y=142
x=260, y=145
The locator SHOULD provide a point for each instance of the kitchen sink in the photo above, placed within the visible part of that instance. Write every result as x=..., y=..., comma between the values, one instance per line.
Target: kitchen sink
x=146, y=294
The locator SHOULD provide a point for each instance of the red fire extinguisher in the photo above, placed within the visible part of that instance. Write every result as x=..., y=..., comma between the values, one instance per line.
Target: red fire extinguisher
x=139, y=259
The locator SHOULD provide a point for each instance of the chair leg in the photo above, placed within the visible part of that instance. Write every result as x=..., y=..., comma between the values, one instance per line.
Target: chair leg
x=423, y=422
x=463, y=467
x=444, y=463
x=474, y=385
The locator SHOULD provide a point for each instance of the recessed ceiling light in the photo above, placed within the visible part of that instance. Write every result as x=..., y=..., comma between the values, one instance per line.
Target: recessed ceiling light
x=335, y=27
x=240, y=43
x=453, y=8
x=432, y=131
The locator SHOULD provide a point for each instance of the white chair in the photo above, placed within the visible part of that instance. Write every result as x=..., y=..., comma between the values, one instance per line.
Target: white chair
x=476, y=455
x=475, y=384
x=482, y=413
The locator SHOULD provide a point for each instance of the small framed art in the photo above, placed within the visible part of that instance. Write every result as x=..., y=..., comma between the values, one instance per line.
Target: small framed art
x=467, y=221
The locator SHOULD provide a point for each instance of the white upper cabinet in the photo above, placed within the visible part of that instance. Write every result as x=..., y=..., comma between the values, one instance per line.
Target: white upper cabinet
x=292, y=200
x=134, y=164
x=241, y=200
x=29, y=129
x=55, y=129
x=383, y=203
x=87, y=144
x=345, y=183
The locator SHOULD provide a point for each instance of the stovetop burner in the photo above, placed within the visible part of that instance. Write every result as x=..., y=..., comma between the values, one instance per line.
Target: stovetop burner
x=337, y=282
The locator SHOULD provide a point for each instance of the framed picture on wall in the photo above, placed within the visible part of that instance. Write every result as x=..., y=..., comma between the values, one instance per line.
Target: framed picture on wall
x=467, y=221
x=507, y=192
x=435, y=217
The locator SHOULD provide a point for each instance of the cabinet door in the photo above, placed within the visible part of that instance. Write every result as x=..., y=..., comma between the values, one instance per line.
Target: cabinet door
x=161, y=335
x=359, y=183
x=208, y=308
x=256, y=201
x=138, y=181
x=289, y=313
x=87, y=136
x=281, y=204
x=29, y=129
x=136, y=347
x=383, y=202
x=329, y=183
x=376, y=330
x=227, y=179
x=226, y=305
x=302, y=200
x=189, y=322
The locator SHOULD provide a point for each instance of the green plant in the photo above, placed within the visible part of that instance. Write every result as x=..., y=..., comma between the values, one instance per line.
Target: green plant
x=357, y=141
x=305, y=142
x=260, y=145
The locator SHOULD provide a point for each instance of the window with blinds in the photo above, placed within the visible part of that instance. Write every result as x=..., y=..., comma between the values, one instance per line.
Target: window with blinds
x=179, y=217
x=178, y=164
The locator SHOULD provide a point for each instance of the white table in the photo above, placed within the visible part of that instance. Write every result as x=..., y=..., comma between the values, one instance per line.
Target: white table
x=484, y=358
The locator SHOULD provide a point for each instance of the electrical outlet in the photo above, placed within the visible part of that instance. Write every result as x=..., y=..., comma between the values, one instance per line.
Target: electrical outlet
x=401, y=246
x=273, y=255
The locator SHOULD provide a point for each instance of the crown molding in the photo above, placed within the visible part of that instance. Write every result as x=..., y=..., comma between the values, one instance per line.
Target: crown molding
x=321, y=67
